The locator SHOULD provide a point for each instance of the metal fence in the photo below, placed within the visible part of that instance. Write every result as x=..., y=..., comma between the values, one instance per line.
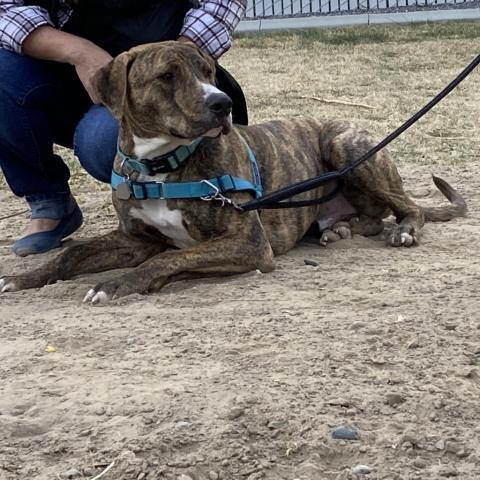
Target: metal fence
x=281, y=8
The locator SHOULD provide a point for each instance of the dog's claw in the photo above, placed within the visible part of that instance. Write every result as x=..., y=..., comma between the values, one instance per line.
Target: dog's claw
x=100, y=297
x=90, y=294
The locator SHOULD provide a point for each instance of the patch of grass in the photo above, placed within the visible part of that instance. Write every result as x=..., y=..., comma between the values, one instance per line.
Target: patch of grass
x=363, y=35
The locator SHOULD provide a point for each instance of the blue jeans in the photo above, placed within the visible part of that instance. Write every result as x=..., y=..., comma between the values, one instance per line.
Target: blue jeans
x=42, y=103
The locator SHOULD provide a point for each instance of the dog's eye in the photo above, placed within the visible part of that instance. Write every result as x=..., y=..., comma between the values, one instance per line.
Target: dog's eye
x=167, y=76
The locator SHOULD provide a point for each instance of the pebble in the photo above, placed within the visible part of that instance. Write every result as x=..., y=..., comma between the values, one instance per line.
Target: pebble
x=100, y=411
x=345, y=433
x=394, y=399
x=411, y=437
x=213, y=475
x=440, y=445
x=184, y=477
x=235, y=413
x=72, y=473
x=452, y=447
x=361, y=470
x=451, y=326
x=182, y=425
x=339, y=402
x=310, y=262
x=448, y=471
x=419, y=463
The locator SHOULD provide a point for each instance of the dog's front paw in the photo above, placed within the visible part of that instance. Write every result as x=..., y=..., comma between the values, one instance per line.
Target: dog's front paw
x=103, y=292
x=402, y=236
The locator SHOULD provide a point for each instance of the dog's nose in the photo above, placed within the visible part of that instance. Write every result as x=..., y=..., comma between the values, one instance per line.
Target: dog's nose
x=219, y=103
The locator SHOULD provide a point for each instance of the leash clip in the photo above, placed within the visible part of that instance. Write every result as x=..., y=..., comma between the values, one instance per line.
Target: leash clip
x=217, y=195
x=122, y=171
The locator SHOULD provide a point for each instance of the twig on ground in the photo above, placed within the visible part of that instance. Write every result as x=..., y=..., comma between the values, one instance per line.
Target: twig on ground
x=14, y=215
x=101, y=474
x=338, y=102
x=447, y=138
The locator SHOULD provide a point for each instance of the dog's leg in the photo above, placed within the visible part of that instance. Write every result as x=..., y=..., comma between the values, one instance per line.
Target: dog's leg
x=113, y=250
x=376, y=185
x=223, y=256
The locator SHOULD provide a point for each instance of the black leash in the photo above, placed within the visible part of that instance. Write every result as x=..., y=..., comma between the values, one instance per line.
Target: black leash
x=273, y=199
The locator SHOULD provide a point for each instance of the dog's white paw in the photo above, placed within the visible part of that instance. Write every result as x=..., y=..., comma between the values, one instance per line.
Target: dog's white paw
x=93, y=296
x=7, y=286
x=407, y=239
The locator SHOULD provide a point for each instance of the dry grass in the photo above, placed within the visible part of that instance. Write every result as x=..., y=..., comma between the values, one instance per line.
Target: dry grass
x=396, y=69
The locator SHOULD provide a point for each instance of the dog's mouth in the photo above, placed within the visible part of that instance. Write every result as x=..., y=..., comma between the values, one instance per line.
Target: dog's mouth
x=223, y=129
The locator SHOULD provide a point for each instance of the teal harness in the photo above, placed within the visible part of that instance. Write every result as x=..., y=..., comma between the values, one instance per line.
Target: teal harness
x=208, y=189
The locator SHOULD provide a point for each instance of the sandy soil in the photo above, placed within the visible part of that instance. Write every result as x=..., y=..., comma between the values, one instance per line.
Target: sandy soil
x=246, y=377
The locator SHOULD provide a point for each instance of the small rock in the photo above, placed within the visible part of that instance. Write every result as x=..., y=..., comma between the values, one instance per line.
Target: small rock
x=235, y=413
x=345, y=433
x=451, y=326
x=141, y=476
x=310, y=262
x=72, y=473
x=452, y=447
x=361, y=470
x=213, y=475
x=100, y=411
x=440, y=445
x=357, y=325
x=184, y=477
x=394, y=399
x=413, y=344
x=276, y=424
x=419, y=463
x=462, y=453
x=448, y=471
x=363, y=449
x=439, y=403
x=339, y=402
x=411, y=437
x=182, y=425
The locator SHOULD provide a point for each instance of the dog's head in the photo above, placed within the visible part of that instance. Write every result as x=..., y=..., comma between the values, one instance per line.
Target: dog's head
x=165, y=89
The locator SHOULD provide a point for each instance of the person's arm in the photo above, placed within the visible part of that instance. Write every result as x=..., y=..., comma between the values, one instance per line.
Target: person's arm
x=28, y=31
x=47, y=43
x=211, y=25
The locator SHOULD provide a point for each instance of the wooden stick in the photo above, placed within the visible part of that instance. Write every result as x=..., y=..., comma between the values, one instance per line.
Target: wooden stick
x=339, y=102
x=14, y=215
x=100, y=475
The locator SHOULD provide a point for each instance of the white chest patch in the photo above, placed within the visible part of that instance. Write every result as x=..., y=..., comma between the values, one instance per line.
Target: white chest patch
x=154, y=212
x=168, y=222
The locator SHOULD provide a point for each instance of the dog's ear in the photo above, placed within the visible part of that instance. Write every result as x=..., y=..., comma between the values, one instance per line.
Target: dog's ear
x=110, y=83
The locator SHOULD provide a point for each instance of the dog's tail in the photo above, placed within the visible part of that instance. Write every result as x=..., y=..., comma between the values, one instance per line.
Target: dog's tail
x=457, y=207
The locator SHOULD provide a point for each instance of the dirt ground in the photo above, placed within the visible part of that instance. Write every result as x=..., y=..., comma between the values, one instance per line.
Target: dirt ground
x=246, y=377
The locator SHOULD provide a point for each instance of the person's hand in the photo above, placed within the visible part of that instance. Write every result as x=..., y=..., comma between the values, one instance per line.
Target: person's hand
x=88, y=62
x=186, y=40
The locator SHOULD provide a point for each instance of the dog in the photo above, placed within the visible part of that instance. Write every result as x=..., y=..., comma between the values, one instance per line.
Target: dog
x=165, y=99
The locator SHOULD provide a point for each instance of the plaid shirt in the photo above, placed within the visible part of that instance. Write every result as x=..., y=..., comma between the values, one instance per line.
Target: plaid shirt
x=210, y=25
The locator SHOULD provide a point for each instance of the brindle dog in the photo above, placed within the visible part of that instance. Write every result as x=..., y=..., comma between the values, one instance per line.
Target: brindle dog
x=164, y=96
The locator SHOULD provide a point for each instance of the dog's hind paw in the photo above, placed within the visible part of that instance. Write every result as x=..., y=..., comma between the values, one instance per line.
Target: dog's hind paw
x=398, y=237
x=339, y=231
x=328, y=236
x=7, y=285
x=93, y=296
